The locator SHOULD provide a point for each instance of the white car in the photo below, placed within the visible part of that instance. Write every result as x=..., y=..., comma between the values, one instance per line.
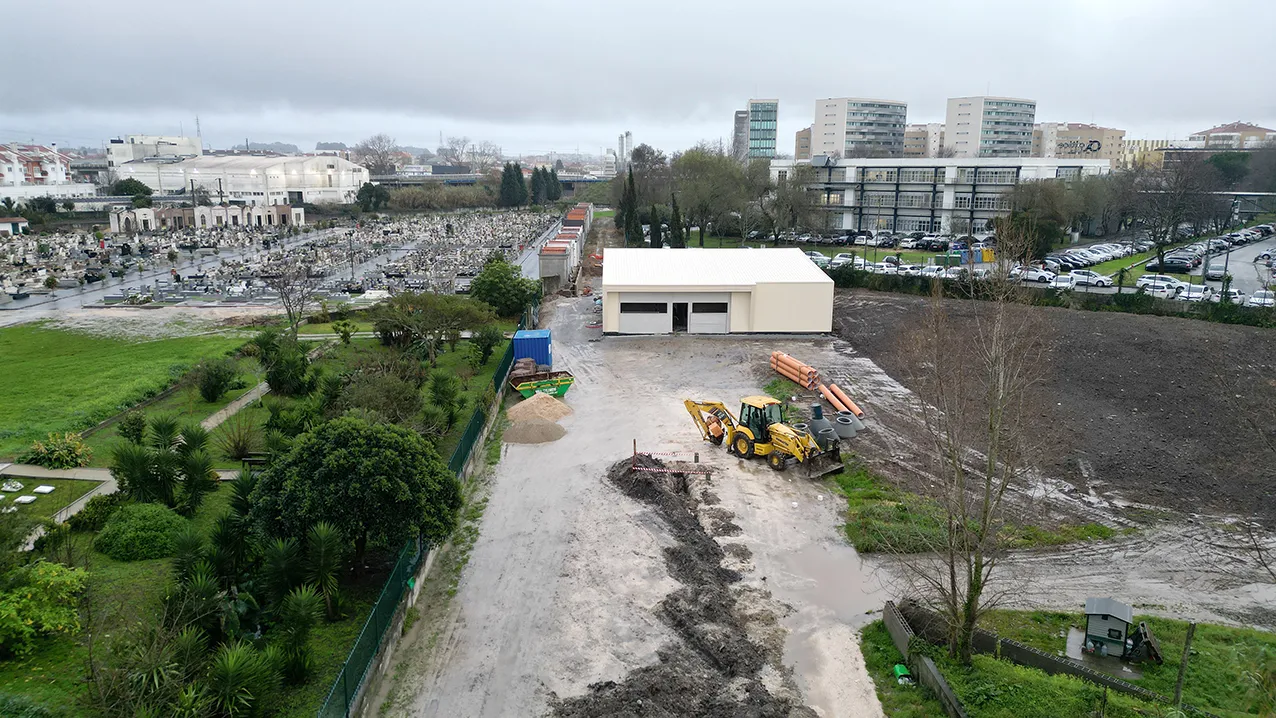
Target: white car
x=1161, y=291
x=908, y=243
x=911, y=270
x=954, y=273
x=1063, y=282
x=1032, y=274
x=1148, y=280
x=844, y=258
x=1235, y=296
x=1262, y=298
x=883, y=268
x=1196, y=293
x=933, y=271
x=1087, y=278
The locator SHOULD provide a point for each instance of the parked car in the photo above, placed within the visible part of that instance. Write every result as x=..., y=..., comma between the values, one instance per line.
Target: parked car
x=1063, y=282
x=1196, y=293
x=933, y=271
x=911, y=270
x=1088, y=278
x=1262, y=298
x=1150, y=279
x=1032, y=274
x=1173, y=265
x=1235, y=296
x=883, y=268
x=908, y=243
x=820, y=259
x=1216, y=271
x=843, y=258
x=1161, y=291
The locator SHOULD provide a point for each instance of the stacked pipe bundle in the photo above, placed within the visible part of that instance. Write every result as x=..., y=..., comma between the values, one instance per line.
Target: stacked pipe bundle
x=795, y=371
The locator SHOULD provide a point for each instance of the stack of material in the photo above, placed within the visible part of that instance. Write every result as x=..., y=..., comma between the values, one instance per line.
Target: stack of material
x=533, y=421
x=523, y=367
x=795, y=371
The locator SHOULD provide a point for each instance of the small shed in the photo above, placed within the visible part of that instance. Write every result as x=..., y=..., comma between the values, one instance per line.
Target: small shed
x=1107, y=624
x=13, y=226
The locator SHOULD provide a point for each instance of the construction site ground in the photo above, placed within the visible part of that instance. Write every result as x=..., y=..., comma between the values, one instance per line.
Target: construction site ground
x=561, y=603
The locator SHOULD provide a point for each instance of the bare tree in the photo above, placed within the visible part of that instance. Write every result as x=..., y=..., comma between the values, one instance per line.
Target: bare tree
x=377, y=154
x=483, y=156
x=946, y=151
x=296, y=289
x=453, y=151
x=976, y=385
x=1174, y=195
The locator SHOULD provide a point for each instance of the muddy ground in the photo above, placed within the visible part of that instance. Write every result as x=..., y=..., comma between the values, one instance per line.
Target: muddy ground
x=1174, y=413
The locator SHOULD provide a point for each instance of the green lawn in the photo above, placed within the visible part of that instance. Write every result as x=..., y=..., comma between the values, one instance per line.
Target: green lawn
x=604, y=213
x=123, y=593
x=65, y=491
x=70, y=381
x=880, y=657
x=1217, y=672
x=186, y=406
x=993, y=688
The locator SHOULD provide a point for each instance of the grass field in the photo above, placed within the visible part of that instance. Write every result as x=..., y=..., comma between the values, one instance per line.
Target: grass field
x=1218, y=675
x=126, y=592
x=70, y=381
x=880, y=657
x=604, y=213
x=65, y=491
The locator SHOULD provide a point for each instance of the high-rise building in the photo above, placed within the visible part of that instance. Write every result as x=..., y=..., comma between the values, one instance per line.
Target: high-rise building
x=740, y=135
x=624, y=150
x=924, y=140
x=763, y=117
x=990, y=126
x=802, y=144
x=859, y=127
x=1076, y=139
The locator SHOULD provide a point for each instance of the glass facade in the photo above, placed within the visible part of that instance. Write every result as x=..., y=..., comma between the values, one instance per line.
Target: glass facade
x=763, y=117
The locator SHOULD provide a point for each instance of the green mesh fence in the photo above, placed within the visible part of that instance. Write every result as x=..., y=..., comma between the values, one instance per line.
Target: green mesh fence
x=503, y=369
x=463, y=448
x=353, y=672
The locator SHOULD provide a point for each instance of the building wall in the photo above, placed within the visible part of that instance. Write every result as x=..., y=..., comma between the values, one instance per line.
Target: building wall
x=859, y=126
x=770, y=308
x=763, y=121
x=1234, y=136
x=136, y=147
x=924, y=140
x=1078, y=140
x=795, y=308
x=1136, y=153
x=802, y=144
x=255, y=180
x=740, y=135
x=59, y=192
x=990, y=126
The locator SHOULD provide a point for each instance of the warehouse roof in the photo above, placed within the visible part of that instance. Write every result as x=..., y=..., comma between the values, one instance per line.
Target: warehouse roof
x=645, y=267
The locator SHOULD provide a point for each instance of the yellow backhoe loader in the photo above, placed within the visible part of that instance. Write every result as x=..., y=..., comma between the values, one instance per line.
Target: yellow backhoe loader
x=761, y=431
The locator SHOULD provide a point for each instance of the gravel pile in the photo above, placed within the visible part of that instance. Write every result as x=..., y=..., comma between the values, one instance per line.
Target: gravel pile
x=540, y=406
x=533, y=431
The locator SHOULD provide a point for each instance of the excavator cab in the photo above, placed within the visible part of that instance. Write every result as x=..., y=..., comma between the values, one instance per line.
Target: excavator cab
x=758, y=413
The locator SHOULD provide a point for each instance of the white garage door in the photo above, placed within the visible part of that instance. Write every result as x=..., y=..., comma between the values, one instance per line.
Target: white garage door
x=644, y=316
x=708, y=318
x=673, y=312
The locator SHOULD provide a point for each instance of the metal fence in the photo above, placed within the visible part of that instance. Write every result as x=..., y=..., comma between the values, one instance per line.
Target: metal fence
x=345, y=689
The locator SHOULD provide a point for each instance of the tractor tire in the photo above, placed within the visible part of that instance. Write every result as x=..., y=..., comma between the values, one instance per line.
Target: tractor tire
x=777, y=461
x=743, y=446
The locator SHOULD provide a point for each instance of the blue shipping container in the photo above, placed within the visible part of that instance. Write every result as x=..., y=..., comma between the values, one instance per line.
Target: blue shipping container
x=534, y=343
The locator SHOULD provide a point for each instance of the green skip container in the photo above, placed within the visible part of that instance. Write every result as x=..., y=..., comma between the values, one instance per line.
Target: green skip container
x=554, y=383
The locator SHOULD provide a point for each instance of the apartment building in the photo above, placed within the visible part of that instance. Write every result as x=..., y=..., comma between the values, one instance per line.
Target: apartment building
x=1232, y=136
x=924, y=140
x=802, y=144
x=30, y=171
x=1076, y=139
x=859, y=127
x=740, y=135
x=954, y=195
x=990, y=126
x=763, y=121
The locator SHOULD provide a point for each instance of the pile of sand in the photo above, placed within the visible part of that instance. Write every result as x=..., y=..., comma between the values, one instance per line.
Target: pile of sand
x=540, y=406
x=533, y=431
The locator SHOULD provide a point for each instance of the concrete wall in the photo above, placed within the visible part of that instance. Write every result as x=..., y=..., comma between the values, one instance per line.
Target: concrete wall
x=741, y=311
x=793, y=308
x=922, y=667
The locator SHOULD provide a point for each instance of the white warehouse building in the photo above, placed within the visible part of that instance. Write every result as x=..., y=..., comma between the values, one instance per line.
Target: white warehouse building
x=254, y=179
x=714, y=291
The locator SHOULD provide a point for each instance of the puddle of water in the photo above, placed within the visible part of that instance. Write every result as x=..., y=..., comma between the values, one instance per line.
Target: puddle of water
x=1111, y=665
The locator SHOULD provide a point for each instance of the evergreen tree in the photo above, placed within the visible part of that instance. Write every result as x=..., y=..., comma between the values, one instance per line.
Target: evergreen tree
x=555, y=186
x=676, y=239
x=509, y=191
x=633, y=228
x=538, y=187
x=520, y=185
x=656, y=240
x=627, y=210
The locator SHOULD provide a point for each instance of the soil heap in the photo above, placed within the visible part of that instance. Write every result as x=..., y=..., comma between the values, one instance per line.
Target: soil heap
x=713, y=669
x=533, y=431
x=539, y=406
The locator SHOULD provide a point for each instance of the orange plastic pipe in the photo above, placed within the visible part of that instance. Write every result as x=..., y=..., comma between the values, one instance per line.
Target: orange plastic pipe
x=850, y=405
x=797, y=366
x=832, y=399
x=805, y=382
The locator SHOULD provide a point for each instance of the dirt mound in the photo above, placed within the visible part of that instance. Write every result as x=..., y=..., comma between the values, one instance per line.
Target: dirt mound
x=715, y=669
x=532, y=431
x=539, y=406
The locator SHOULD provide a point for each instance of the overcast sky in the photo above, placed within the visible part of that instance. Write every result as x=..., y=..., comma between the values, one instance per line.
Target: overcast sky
x=535, y=76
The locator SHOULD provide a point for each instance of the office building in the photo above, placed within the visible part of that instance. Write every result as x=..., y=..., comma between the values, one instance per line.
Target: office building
x=859, y=127
x=254, y=180
x=149, y=219
x=130, y=148
x=924, y=140
x=740, y=135
x=1075, y=139
x=802, y=144
x=1143, y=153
x=30, y=171
x=1232, y=136
x=624, y=150
x=989, y=126
x=763, y=120
x=956, y=195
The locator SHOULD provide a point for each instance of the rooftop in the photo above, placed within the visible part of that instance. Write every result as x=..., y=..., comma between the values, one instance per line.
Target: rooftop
x=1109, y=607
x=1234, y=127
x=737, y=268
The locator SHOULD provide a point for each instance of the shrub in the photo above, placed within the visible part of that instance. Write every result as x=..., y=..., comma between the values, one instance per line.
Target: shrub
x=238, y=438
x=59, y=451
x=43, y=599
x=20, y=707
x=132, y=426
x=344, y=329
x=95, y=513
x=215, y=377
x=486, y=339
x=289, y=374
x=140, y=531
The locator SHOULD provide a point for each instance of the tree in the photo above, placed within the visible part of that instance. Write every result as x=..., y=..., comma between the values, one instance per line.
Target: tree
x=675, y=225
x=130, y=187
x=1173, y=195
x=508, y=196
x=520, y=185
x=295, y=287
x=627, y=208
x=485, y=340
x=372, y=197
x=651, y=174
x=711, y=184
x=633, y=228
x=1232, y=167
x=555, y=186
x=656, y=240
x=790, y=206
x=445, y=393
x=977, y=388
x=141, y=201
x=377, y=154
x=453, y=151
x=483, y=156
x=539, y=193
x=502, y=286
x=376, y=484
x=422, y=321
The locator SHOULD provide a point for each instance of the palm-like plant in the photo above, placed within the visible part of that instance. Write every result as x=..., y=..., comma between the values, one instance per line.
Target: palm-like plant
x=324, y=557
x=239, y=438
x=194, y=438
x=241, y=491
x=239, y=678
x=198, y=479
x=190, y=652
x=298, y=614
x=281, y=568
x=164, y=432
x=230, y=548
x=189, y=552
x=131, y=468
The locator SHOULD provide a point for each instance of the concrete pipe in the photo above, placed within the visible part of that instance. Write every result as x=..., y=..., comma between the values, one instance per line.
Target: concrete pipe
x=845, y=427
x=826, y=437
x=855, y=420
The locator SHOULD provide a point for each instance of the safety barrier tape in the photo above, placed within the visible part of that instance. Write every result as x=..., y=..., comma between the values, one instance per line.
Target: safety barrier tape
x=668, y=471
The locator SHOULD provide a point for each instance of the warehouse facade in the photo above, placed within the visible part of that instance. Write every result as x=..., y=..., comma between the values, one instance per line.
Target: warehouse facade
x=714, y=291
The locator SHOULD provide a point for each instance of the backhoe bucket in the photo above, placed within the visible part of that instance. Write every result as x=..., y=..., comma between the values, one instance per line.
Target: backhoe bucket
x=828, y=462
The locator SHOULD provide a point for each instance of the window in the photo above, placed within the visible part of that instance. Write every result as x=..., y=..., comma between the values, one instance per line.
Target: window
x=708, y=307
x=784, y=175
x=1115, y=634
x=643, y=308
x=878, y=175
